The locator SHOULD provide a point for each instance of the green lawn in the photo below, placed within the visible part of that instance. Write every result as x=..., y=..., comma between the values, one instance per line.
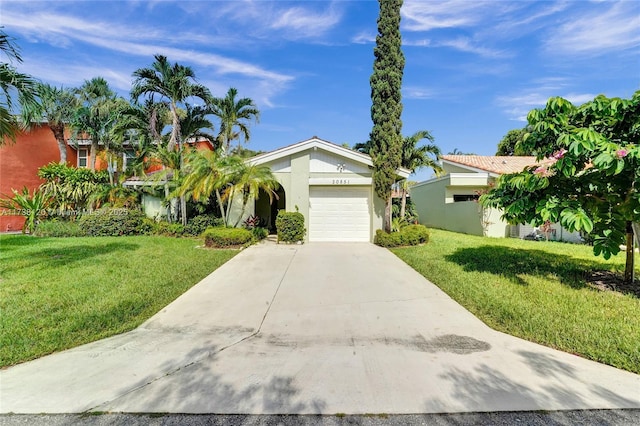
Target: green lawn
x=57, y=293
x=536, y=291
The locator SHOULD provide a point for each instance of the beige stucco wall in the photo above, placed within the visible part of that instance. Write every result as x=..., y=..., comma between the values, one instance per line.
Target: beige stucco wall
x=434, y=203
x=295, y=180
x=451, y=168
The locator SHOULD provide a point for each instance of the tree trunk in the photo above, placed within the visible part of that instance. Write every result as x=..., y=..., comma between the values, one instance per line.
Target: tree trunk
x=403, y=203
x=93, y=154
x=628, y=269
x=183, y=209
x=387, y=215
x=58, y=133
x=222, y=212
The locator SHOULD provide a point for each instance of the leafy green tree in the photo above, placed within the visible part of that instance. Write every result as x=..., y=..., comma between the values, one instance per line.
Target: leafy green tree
x=70, y=188
x=511, y=145
x=590, y=179
x=415, y=157
x=235, y=115
x=57, y=106
x=386, y=96
x=13, y=83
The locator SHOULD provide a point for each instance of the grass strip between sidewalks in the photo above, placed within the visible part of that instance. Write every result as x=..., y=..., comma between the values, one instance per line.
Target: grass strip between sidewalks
x=536, y=291
x=57, y=293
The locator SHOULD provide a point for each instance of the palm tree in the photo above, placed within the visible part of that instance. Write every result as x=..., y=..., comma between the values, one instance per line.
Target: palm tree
x=173, y=83
x=96, y=113
x=13, y=82
x=56, y=106
x=226, y=177
x=233, y=114
x=207, y=173
x=194, y=124
x=415, y=157
x=363, y=147
x=141, y=127
x=249, y=180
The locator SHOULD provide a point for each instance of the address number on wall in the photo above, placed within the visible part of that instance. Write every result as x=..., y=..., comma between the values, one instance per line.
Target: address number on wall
x=341, y=181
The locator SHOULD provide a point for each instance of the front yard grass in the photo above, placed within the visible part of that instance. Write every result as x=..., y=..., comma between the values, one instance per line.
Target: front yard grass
x=536, y=291
x=57, y=293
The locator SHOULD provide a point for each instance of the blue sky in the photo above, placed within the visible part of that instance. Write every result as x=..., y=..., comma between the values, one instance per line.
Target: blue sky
x=473, y=69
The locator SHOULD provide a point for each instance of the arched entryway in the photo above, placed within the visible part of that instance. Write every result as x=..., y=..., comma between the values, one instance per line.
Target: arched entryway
x=267, y=209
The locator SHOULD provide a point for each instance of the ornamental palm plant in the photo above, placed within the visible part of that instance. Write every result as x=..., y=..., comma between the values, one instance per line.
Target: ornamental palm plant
x=29, y=206
x=415, y=157
x=234, y=115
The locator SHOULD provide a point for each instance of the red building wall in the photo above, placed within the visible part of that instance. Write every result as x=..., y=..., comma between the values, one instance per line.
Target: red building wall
x=19, y=163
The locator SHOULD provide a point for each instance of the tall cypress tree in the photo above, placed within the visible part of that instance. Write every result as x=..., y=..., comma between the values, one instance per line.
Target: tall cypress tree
x=386, y=85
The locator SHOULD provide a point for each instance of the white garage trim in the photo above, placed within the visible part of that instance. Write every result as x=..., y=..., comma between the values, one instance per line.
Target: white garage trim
x=340, y=213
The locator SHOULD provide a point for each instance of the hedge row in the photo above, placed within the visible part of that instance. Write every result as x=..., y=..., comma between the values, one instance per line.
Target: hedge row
x=410, y=235
x=227, y=237
x=114, y=222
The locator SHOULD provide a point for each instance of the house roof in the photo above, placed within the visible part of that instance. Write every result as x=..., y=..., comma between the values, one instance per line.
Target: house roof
x=317, y=143
x=493, y=164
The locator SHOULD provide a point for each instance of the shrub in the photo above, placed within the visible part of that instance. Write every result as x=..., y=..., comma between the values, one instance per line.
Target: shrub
x=168, y=229
x=290, y=226
x=226, y=237
x=58, y=228
x=198, y=224
x=112, y=222
x=414, y=235
x=260, y=233
x=410, y=235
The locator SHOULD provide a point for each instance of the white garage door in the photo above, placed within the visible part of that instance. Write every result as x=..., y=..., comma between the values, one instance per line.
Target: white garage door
x=339, y=213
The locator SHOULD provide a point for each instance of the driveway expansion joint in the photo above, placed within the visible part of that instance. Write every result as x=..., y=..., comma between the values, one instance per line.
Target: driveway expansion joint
x=208, y=354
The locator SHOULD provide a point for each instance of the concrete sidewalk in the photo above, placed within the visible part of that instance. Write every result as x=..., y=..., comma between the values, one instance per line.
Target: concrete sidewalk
x=318, y=328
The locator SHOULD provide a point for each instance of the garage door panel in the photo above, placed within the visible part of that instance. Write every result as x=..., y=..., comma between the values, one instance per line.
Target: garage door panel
x=339, y=213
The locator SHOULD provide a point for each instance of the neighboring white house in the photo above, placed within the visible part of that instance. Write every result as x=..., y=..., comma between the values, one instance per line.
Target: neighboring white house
x=450, y=201
x=330, y=185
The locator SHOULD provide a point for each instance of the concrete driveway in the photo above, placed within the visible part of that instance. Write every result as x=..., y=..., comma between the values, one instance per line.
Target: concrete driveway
x=317, y=328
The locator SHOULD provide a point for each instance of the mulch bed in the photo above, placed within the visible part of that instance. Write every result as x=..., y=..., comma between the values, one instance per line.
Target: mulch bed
x=612, y=281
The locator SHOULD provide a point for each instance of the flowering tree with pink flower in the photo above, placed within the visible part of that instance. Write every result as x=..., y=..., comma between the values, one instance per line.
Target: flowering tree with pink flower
x=588, y=177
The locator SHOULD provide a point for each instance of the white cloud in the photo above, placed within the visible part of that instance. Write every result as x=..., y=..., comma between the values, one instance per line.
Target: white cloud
x=364, y=38
x=138, y=40
x=416, y=92
x=516, y=107
x=465, y=44
x=300, y=22
x=428, y=15
x=605, y=27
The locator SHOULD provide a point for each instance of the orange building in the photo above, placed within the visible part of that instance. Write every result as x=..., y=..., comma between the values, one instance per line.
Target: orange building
x=20, y=161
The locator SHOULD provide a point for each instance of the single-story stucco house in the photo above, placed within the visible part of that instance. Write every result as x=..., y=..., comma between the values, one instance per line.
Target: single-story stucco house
x=450, y=201
x=332, y=186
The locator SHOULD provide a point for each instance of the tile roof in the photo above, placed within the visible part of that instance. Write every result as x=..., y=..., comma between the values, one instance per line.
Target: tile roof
x=495, y=164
